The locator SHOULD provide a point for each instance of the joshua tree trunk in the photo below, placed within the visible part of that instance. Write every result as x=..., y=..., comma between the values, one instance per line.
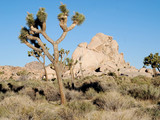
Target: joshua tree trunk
x=45, y=72
x=58, y=71
x=59, y=78
x=72, y=77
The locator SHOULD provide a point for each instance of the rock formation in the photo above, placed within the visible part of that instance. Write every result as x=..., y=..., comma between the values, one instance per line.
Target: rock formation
x=101, y=56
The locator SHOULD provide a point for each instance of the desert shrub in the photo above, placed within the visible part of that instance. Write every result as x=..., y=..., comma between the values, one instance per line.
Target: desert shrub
x=28, y=92
x=75, y=110
x=129, y=114
x=45, y=111
x=81, y=107
x=153, y=112
x=113, y=101
x=90, y=93
x=51, y=93
x=126, y=115
x=108, y=84
x=1, y=72
x=23, y=72
x=141, y=80
x=122, y=80
x=20, y=107
x=145, y=92
x=34, y=83
x=17, y=107
x=3, y=87
x=5, y=95
x=65, y=114
x=124, y=88
x=73, y=95
x=156, y=81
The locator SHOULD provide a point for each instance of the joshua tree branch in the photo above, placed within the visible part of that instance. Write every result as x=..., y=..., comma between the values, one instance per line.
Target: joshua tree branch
x=43, y=33
x=42, y=46
x=63, y=24
x=32, y=47
x=47, y=37
x=61, y=38
x=72, y=26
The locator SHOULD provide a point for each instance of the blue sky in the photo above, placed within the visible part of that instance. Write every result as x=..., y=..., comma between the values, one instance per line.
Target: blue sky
x=134, y=24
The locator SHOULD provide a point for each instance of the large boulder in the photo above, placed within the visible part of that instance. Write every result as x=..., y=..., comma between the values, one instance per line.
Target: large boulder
x=101, y=52
x=100, y=56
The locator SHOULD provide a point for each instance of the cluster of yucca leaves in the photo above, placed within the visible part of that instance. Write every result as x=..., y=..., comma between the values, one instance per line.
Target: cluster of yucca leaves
x=79, y=18
x=153, y=60
x=30, y=21
x=70, y=62
x=23, y=35
x=36, y=53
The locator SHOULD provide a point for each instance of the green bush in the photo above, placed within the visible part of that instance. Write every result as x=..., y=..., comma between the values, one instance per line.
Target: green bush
x=73, y=95
x=153, y=112
x=108, y=84
x=90, y=93
x=81, y=107
x=17, y=107
x=65, y=114
x=1, y=72
x=23, y=72
x=139, y=80
x=156, y=81
x=113, y=101
x=145, y=92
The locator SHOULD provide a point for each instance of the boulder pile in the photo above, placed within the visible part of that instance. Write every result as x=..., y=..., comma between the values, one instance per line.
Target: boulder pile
x=101, y=56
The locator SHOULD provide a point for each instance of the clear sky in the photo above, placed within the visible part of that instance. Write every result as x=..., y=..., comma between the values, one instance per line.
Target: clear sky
x=134, y=24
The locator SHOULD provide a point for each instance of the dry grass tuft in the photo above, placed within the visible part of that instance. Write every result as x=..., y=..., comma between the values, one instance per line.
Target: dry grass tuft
x=114, y=101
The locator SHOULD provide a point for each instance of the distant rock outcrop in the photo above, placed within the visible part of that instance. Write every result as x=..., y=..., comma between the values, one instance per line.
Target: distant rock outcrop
x=101, y=55
x=34, y=66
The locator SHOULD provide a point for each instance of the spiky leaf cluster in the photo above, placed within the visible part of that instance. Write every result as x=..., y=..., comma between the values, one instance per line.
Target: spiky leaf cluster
x=34, y=53
x=79, y=18
x=23, y=34
x=70, y=62
x=62, y=53
x=42, y=15
x=153, y=60
x=60, y=16
x=64, y=9
x=30, y=20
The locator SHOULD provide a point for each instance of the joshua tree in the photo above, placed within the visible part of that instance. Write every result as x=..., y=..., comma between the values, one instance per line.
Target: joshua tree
x=37, y=26
x=154, y=61
x=62, y=58
x=71, y=64
x=37, y=55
